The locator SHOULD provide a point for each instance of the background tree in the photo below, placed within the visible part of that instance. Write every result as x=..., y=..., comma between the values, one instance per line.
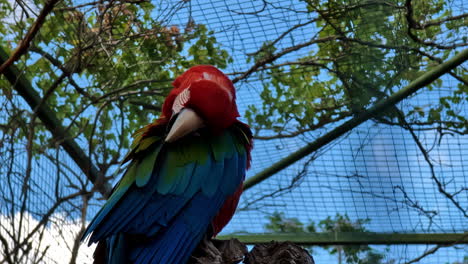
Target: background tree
x=362, y=52
x=103, y=70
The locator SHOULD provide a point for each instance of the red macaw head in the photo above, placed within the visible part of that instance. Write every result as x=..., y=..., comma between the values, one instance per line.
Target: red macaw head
x=202, y=96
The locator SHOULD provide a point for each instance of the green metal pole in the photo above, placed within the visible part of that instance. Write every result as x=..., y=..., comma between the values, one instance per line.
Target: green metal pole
x=379, y=107
x=352, y=238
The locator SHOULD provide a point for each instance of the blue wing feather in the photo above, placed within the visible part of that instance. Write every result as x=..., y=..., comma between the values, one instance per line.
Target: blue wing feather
x=230, y=172
x=202, y=169
x=111, y=202
x=176, y=203
x=189, y=225
x=213, y=179
x=184, y=180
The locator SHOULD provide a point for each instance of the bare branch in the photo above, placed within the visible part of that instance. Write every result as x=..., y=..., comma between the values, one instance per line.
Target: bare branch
x=440, y=186
x=434, y=250
x=285, y=51
x=45, y=219
x=64, y=69
x=310, y=127
x=6, y=250
x=284, y=34
x=439, y=22
x=413, y=24
x=295, y=182
x=265, y=3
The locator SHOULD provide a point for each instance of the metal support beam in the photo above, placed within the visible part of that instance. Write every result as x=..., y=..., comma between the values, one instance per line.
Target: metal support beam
x=50, y=120
x=352, y=238
x=379, y=107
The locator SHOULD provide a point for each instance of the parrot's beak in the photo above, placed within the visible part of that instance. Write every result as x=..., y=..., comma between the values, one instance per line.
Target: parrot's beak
x=186, y=121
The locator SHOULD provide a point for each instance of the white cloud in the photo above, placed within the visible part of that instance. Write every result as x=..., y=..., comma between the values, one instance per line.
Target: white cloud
x=58, y=238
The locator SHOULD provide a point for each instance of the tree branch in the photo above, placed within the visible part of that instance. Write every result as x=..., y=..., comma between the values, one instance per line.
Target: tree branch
x=24, y=44
x=64, y=69
x=50, y=120
x=440, y=186
x=285, y=51
x=413, y=24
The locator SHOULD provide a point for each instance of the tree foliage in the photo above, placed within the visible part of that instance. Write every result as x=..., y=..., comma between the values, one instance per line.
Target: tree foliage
x=359, y=52
x=118, y=62
x=103, y=69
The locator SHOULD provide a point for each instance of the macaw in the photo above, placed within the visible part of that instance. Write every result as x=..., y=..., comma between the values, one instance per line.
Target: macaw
x=184, y=177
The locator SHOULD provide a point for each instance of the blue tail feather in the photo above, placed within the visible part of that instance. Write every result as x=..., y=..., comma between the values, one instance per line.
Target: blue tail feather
x=173, y=210
x=176, y=243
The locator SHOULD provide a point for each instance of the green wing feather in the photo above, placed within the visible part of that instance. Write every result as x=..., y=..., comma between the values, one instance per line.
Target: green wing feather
x=145, y=167
x=176, y=163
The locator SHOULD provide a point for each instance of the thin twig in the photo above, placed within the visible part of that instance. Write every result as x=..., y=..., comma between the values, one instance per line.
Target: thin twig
x=413, y=24
x=440, y=186
x=285, y=51
x=434, y=250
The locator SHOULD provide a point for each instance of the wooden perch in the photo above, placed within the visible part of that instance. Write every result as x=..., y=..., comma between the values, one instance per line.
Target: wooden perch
x=233, y=251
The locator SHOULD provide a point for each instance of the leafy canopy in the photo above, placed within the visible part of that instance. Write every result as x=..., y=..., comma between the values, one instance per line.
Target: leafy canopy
x=359, y=52
x=117, y=61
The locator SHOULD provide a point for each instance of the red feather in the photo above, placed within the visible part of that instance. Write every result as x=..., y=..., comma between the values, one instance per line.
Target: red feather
x=227, y=211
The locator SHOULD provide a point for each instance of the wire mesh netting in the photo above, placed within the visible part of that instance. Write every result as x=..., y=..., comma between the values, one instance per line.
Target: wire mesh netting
x=368, y=173
x=397, y=177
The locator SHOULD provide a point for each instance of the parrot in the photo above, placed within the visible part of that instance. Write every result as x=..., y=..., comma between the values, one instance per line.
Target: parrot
x=184, y=176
